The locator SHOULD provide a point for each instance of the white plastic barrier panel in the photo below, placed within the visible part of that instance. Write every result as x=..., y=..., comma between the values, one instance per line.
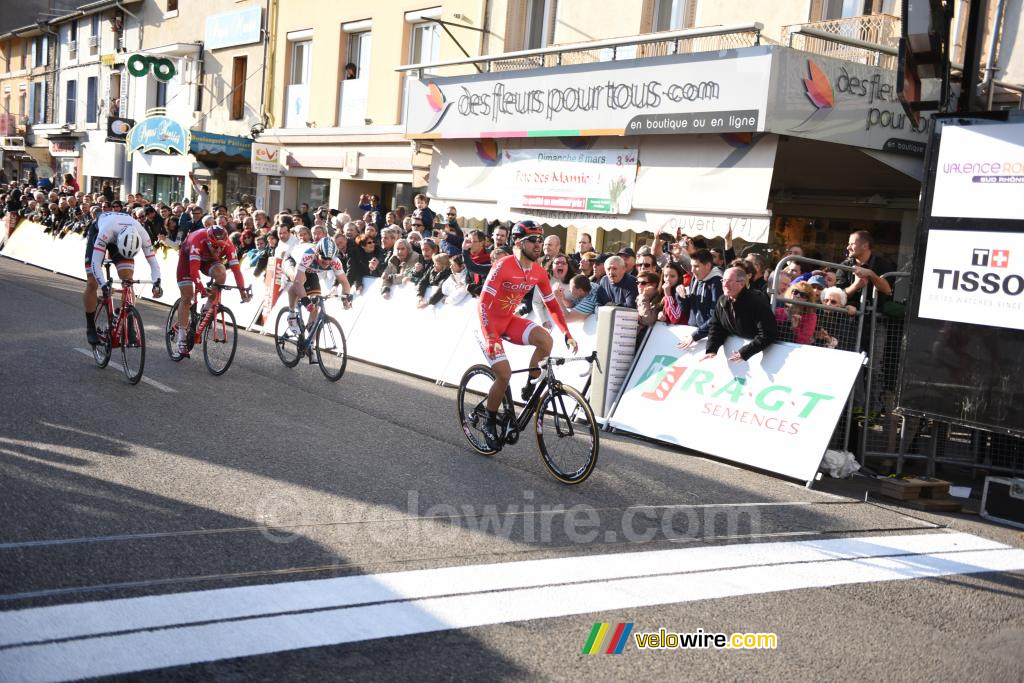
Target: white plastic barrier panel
x=775, y=412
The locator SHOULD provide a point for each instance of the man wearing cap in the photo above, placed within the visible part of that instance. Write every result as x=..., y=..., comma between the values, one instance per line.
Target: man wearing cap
x=629, y=258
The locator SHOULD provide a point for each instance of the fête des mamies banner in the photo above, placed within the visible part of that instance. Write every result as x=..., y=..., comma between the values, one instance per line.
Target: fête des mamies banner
x=588, y=180
x=775, y=412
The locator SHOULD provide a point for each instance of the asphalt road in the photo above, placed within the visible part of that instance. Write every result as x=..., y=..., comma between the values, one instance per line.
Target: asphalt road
x=342, y=530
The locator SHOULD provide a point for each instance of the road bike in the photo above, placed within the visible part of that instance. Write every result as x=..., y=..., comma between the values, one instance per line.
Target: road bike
x=121, y=327
x=213, y=325
x=320, y=339
x=567, y=433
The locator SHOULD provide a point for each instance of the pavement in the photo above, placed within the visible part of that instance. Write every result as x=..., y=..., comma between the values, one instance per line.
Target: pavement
x=273, y=477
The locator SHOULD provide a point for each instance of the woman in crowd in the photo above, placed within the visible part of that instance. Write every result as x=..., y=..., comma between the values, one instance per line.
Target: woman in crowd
x=797, y=322
x=674, y=309
x=365, y=260
x=401, y=265
x=456, y=287
x=648, y=301
x=837, y=326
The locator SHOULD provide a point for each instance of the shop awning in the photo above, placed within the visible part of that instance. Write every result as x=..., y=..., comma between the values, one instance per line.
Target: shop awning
x=700, y=185
x=215, y=143
x=41, y=155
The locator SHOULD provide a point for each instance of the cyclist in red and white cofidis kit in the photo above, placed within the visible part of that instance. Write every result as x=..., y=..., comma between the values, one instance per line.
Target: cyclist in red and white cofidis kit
x=204, y=252
x=509, y=281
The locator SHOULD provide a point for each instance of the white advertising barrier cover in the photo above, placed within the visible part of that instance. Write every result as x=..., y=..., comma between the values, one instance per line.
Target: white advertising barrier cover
x=775, y=412
x=974, y=277
x=694, y=93
x=586, y=180
x=437, y=342
x=980, y=172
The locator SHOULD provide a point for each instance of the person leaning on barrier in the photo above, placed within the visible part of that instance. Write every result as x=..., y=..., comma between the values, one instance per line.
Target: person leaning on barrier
x=837, y=326
x=618, y=287
x=401, y=266
x=868, y=269
x=743, y=313
x=704, y=293
x=434, y=277
x=797, y=322
x=428, y=248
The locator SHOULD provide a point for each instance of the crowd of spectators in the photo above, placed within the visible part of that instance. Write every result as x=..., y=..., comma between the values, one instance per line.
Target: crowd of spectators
x=677, y=279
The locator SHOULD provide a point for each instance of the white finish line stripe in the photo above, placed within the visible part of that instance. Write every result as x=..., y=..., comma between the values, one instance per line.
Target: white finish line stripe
x=108, y=616
x=120, y=366
x=141, y=650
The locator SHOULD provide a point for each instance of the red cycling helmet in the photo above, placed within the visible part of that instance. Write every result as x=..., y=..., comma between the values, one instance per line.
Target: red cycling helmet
x=525, y=229
x=217, y=234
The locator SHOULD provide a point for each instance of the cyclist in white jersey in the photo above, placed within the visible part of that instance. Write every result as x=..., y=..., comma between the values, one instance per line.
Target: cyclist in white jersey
x=121, y=237
x=303, y=268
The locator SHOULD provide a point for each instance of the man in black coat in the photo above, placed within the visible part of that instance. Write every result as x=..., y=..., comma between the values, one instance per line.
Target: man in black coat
x=743, y=313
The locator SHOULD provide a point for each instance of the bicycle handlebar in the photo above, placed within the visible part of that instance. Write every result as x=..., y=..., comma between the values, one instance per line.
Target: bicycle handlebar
x=592, y=358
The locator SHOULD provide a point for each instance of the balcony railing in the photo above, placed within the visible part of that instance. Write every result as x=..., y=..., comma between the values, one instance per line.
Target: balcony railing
x=615, y=49
x=297, y=106
x=877, y=29
x=352, y=97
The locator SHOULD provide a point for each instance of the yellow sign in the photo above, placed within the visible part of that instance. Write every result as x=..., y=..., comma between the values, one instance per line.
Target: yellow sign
x=108, y=60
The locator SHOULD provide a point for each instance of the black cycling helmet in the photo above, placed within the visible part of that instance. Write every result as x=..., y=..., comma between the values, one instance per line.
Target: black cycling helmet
x=525, y=229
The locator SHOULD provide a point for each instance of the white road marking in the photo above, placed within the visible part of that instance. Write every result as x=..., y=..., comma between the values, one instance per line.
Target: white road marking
x=137, y=634
x=120, y=366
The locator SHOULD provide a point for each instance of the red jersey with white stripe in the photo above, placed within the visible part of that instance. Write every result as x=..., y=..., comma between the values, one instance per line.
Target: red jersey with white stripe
x=197, y=246
x=503, y=291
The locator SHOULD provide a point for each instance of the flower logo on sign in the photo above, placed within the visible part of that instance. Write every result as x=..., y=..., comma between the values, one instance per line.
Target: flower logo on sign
x=819, y=91
x=487, y=151
x=437, y=103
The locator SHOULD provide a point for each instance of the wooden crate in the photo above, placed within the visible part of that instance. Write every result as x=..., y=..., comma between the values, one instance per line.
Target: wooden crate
x=914, y=489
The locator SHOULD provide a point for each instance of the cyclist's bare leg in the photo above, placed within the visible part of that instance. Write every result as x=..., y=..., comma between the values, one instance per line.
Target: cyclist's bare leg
x=186, y=304
x=502, y=375
x=89, y=296
x=218, y=272
x=541, y=342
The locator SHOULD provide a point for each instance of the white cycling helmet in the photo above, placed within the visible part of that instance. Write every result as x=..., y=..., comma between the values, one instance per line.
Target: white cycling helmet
x=128, y=242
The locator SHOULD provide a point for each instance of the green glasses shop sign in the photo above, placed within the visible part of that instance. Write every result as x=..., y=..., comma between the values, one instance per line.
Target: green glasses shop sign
x=163, y=68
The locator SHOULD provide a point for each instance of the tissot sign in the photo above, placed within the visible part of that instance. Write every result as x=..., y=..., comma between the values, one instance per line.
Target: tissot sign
x=974, y=277
x=665, y=95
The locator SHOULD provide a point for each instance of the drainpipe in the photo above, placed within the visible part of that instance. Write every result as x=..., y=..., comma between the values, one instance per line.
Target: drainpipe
x=990, y=60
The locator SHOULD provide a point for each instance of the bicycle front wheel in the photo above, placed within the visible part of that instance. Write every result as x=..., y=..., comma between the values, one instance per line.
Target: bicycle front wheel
x=331, y=351
x=219, y=341
x=472, y=406
x=567, y=435
x=133, y=344
x=101, y=352
x=286, y=343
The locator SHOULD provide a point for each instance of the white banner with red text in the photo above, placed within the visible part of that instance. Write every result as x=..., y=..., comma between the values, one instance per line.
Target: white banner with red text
x=775, y=412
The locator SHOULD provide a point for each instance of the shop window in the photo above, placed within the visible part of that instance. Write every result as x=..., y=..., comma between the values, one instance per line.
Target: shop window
x=161, y=188
x=313, y=192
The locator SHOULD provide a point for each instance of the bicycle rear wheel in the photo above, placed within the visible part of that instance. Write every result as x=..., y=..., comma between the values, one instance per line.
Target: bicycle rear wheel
x=133, y=344
x=101, y=352
x=219, y=341
x=471, y=402
x=567, y=435
x=286, y=343
x=331, y=351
